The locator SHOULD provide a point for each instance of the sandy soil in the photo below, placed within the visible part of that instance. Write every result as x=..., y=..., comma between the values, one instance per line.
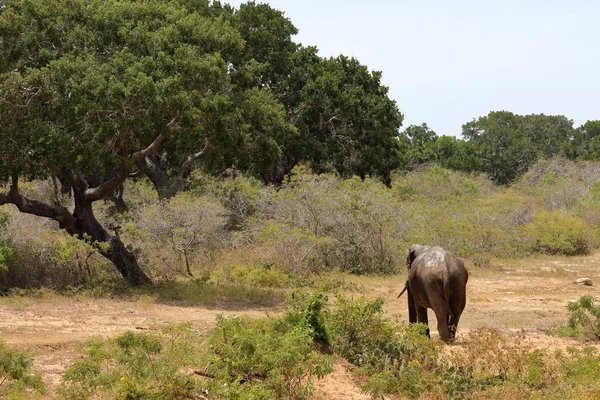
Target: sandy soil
x=525, y=296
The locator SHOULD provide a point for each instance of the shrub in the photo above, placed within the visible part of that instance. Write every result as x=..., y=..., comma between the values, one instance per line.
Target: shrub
x=263, y=359
x=393, y=358
x=16, y=380
x=6, y=254
x=263, y=276
x=349, y=224
x=554, y=232
x=135, y=366
x=300, y=252
x=178, y=232
x=243, y=199
x=584, y=319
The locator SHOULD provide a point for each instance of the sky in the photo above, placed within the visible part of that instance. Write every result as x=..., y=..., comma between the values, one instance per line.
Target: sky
x=448, y=62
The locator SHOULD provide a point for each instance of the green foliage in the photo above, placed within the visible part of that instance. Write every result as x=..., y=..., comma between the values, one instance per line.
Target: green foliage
x=6, y=254
x=457, y=155
x=584, y=319
x=16, y=380
x=135, y=366
x=582, y=366
x=6, y=250
x=260, y=276
x=309, y=310
x=242, y=198
x=586, y=142
x=346, y=121
x=553, y=232
x=389, y=355
x=253, y=359
x=509, y=143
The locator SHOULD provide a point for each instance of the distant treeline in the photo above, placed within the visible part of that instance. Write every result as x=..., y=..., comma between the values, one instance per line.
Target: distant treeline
x=502, y=144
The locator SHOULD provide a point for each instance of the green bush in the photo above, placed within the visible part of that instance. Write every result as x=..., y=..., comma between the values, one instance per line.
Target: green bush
x=263, y=276
x=263, y=359
x=16, y=380
x=584, y=319
x=6, y=254
x=135, y=366
x=392, y=358
x=554, y=232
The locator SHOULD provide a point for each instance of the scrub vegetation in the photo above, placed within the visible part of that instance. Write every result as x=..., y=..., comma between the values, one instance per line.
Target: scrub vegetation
x=187, y=152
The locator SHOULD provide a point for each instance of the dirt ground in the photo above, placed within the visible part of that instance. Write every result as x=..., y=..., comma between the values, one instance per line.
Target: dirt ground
x=523, y=296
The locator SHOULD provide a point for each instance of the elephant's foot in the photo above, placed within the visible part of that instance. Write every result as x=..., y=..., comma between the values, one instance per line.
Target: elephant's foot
x=452, y=332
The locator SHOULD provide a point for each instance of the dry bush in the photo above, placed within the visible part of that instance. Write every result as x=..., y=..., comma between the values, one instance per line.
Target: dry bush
x=46, y=256
x=561, y=183
x=178, y=235
x=476, y=229
x=490, y=352
x=329, y=222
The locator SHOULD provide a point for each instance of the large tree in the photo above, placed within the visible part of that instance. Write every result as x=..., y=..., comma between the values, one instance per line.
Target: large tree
x=585, y=143
x=509, y=143
x=346, y=122
x=90, y=89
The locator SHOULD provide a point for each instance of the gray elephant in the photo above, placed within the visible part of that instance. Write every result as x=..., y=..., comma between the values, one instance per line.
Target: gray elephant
x=437, y=279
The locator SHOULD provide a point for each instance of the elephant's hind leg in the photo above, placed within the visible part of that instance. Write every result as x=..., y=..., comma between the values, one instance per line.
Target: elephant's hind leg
x=453, y=324
x=423, y=318
x=456, y=309
x=442, y=320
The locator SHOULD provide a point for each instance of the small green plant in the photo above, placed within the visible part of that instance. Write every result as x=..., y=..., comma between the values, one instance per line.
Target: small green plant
x=584, y=319
x=585, y=316
x=16, y=380
x=309, y=311
x=135, y=366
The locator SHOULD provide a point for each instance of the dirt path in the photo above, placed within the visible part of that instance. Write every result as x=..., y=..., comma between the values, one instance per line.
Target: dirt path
x=525, y=296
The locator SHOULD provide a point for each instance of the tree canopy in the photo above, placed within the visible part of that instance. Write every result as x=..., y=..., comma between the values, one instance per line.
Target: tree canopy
x=92, y=91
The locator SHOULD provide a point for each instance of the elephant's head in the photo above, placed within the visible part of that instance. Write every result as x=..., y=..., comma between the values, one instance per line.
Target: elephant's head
x=414, y=251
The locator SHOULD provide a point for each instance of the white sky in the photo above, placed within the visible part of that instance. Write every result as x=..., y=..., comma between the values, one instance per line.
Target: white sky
x=447, y=62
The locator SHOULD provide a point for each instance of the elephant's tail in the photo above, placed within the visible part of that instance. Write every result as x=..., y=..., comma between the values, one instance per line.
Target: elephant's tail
x=403, y=290
x=446, y=295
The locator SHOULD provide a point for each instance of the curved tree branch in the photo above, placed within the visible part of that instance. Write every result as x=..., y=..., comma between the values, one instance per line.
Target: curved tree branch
x=172, y=126
x=186, y=168
x=114, y=183
x=109, y=186
x=55, y=212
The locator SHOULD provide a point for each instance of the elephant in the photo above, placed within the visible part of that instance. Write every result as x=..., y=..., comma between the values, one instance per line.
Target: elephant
x=437, y=279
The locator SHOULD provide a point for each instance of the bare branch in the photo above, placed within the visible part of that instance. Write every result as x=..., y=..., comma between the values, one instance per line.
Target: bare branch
x=109, y=186
x=204, y=373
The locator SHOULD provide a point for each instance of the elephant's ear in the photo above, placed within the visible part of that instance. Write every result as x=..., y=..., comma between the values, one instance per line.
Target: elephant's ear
x=411, y=256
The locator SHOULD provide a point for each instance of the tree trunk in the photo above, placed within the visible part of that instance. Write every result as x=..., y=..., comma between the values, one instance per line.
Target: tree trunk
x=125, y=262
x=162, y=182
x=155, y=168
x=87, y=224
x=83, y=224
